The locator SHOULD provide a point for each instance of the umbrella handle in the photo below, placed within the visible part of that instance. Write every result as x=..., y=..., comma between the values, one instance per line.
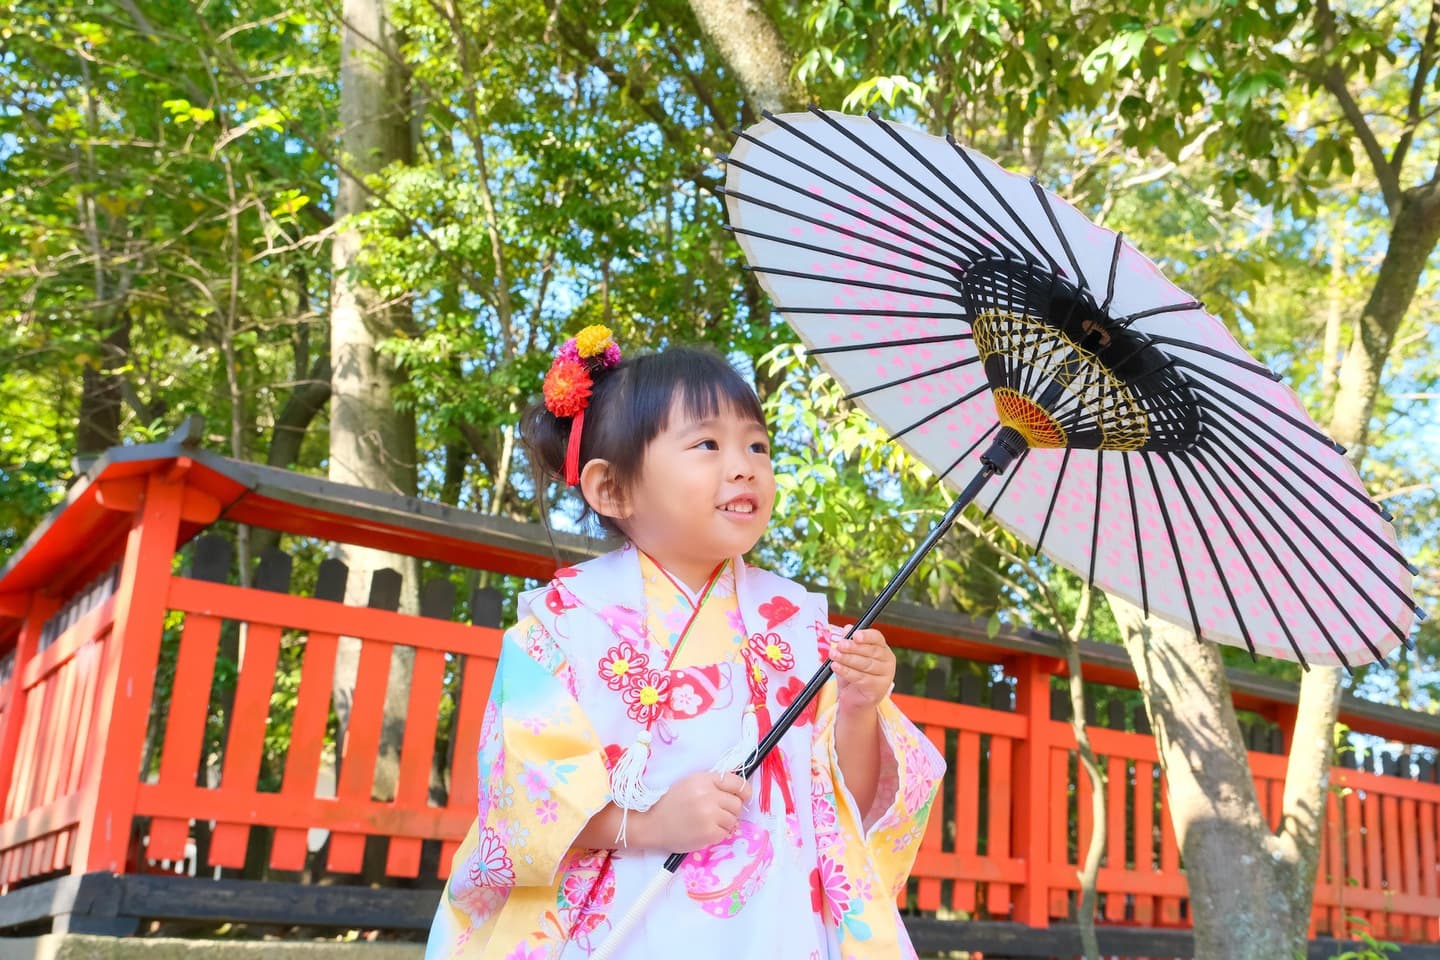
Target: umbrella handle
x=632, y=916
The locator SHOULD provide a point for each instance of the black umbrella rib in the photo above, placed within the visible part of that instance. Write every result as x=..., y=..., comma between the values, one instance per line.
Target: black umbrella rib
x=942, y=410
x=1174, y=547
x=979, y=234
x=1306, y=428
x=878, y=312
x=1080, y=280
x=1228, y=457
x=1165, y=458
x=956, y=237
x=883, y=345
x=952, y=272
x=1054, y=495
x=1241, y=409
x=1250, y=564
x=1301, y=595
x=1114, y=266
x=1135, y=519
x=940, y=176
x=1237, y=454
x=971, y=449
x=1095, y=526
x=1125, y=321
x=866, y=284
x=1247, y=365
x=949, y=281
x=1010, y=473
x=1312, y=483
x=912, y=377
x=919, y=241
x=1004, y=205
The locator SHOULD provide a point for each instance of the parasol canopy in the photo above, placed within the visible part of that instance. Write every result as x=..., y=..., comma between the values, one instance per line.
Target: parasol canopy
x=964, y=306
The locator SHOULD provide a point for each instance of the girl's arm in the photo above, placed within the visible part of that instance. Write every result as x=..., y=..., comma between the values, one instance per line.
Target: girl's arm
x=865, y=672
x=858, y=742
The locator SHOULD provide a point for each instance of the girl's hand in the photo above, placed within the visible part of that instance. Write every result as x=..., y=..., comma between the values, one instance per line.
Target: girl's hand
x=864, y=668
x=699, y=810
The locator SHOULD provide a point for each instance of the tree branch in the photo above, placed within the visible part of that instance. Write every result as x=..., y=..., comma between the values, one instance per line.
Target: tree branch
x=1423, y=62
x=1333, y=79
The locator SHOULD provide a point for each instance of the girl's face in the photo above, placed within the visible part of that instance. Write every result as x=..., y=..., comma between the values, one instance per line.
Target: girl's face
x=705, y=492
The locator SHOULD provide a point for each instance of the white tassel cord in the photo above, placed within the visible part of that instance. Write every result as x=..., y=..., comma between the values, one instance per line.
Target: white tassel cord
x=608, y=949
x=734, y=758
x=627, y=783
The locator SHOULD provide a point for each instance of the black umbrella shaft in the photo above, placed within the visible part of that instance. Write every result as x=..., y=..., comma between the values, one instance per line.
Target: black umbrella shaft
x=792, y=713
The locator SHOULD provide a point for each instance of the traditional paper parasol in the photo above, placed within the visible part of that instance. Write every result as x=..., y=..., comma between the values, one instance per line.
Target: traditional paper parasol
x=993, y=330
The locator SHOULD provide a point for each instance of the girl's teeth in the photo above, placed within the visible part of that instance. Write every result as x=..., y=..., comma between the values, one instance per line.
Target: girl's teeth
x=738, y=508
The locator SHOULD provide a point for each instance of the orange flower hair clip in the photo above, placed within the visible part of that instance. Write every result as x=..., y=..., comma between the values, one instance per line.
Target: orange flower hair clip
x=570, y=380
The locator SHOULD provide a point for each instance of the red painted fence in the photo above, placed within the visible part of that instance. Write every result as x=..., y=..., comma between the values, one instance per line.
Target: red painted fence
x=95, y=778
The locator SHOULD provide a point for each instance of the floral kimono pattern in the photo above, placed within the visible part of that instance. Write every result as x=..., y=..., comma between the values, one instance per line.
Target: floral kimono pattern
x=615, y=667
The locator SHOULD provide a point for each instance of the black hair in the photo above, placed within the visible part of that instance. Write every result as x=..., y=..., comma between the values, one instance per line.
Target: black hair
x=629, y=406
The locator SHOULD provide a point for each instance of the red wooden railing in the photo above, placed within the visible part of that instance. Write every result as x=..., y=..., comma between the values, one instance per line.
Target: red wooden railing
x=77, y=717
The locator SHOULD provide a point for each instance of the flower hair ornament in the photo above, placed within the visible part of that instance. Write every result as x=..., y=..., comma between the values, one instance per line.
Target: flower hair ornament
x=569, y=382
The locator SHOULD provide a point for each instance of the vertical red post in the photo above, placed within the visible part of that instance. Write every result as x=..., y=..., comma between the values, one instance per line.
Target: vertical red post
x=128, y=677
x=1033, y=789
x=41, y=607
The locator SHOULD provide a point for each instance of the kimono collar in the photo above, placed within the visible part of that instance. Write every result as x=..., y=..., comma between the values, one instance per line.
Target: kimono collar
x=612, y=587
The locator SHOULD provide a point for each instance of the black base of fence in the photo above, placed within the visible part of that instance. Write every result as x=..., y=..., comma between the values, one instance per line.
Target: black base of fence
x=116, y=905
x=1006, y=940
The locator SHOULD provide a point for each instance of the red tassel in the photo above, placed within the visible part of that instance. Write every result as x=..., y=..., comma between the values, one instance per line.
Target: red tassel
x=773, y=771
x=572, y=451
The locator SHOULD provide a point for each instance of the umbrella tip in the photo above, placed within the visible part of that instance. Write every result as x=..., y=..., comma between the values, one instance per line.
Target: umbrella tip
x=1420, y=615
x=1414, y=570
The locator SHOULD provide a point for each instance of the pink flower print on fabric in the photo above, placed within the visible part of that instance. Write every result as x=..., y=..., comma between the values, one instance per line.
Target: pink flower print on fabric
x=822, y=808
x=774, y=651
x=621, y=664
x=535, y=781
x=646, y=696
x=523, y=951
x=547, y=811
x=490, y=865
x=917, y=783
x=725, y=876
x=479, y=903
x=830, y=891
x=586, y=892
x=626, y=624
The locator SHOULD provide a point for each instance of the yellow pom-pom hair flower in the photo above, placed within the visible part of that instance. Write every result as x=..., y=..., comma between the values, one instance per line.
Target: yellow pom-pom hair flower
x=593, y=340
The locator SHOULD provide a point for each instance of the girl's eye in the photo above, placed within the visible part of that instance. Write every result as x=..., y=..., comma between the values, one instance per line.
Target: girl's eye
x=708, y=445
x=759, y=447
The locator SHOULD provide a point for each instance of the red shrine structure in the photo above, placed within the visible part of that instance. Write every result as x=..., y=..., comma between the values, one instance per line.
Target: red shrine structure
x=137, y=783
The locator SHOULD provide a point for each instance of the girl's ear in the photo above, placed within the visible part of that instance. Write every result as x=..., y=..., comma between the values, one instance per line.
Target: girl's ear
x=598, y=487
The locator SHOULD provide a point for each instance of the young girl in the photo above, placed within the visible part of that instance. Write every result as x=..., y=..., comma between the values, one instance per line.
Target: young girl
x=635, y=683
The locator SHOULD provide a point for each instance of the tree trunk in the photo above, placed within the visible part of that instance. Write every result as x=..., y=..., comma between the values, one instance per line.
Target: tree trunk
x=753, y=50
x=1246, y=900
x=101, y=392
x=371, y=443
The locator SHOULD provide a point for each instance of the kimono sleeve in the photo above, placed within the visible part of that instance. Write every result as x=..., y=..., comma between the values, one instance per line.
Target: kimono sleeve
x=542, y=775
x=911, y=770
